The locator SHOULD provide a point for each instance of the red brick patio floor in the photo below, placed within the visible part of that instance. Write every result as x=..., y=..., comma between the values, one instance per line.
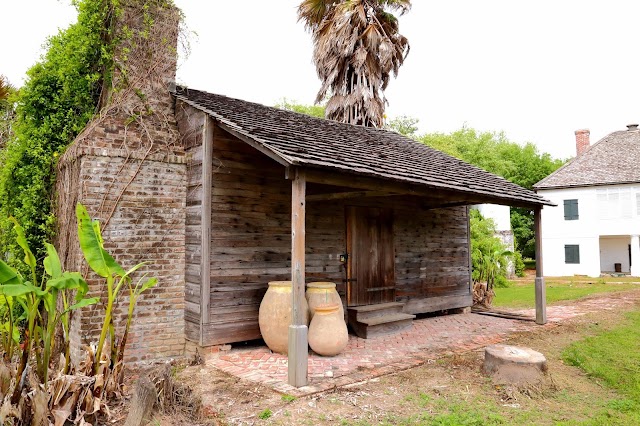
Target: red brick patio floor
x=363, y=359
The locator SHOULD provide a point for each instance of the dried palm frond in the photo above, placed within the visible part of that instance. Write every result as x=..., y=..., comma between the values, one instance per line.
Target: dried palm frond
x=356, y=48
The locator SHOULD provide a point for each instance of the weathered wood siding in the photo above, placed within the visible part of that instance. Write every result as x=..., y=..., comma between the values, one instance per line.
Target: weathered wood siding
x=251, y=239
x=190, y=122
x=432, y=259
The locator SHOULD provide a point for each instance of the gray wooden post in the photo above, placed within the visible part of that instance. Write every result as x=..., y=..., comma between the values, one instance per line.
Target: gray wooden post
x=208, y=129
x=298, y=342
x=541, y=293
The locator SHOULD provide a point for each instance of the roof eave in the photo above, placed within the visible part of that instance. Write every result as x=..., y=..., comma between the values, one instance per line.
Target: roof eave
x=588, y=185
x=241, y=134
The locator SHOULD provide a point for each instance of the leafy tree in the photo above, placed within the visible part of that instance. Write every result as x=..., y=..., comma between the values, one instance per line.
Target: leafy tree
x=317, y=111
x=59, y=97
x=493, y=152
x=357, y=45
x=522, y=165
x=405, y=125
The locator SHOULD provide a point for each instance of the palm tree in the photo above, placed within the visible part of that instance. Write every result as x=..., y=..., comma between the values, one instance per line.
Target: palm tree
x=356, y=47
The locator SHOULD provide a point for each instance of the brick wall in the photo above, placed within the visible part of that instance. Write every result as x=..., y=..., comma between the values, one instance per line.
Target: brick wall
x=128, y=168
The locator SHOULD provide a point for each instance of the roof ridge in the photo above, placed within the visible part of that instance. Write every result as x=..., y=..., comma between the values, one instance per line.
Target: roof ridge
x=599, y=165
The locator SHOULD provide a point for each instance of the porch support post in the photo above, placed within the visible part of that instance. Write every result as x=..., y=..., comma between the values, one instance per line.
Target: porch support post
x=635, y=256
x=208, y=129
x=298, y=342
x=541, y=292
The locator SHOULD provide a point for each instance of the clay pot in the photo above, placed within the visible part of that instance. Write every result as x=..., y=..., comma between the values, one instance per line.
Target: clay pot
x=328, y=334
x=321, y=293
x=274, y=316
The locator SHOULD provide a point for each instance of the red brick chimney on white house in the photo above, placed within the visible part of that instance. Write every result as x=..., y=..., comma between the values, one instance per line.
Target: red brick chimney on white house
x=582, y=141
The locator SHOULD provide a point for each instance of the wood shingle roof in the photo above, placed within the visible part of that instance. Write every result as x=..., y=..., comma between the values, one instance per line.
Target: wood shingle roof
x=300, y=140
x=614, y=159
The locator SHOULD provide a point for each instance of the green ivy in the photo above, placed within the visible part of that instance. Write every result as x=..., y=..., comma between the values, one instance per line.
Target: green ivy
x=60, y=96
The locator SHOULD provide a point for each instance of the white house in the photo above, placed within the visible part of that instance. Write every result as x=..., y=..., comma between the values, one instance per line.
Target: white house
x=594, y=228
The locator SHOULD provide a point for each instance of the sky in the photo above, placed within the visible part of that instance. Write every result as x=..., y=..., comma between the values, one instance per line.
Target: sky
x=537, y=70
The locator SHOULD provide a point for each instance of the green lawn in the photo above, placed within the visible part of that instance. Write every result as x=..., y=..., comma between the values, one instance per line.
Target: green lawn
x=522, y=295
x=613, y=357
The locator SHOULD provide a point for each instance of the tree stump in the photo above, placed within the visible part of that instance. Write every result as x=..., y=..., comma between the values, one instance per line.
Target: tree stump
x=144, y=398
x=514, y=365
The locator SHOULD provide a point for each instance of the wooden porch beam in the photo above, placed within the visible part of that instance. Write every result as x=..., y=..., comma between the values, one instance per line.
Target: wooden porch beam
x=298, y=339
x=447, y=205
x=208, y=129
x=541, y=296
x=345, y=195
x=404, y=188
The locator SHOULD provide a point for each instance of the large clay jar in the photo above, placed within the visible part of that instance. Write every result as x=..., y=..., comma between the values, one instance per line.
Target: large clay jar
x=274, y=316
x=322, y=293
x=328, y=334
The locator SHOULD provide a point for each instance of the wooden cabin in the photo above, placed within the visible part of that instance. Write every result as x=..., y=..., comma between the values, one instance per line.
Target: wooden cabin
x=383, y=216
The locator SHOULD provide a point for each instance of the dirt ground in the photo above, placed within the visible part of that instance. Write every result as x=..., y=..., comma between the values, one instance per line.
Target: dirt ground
x=450, y=386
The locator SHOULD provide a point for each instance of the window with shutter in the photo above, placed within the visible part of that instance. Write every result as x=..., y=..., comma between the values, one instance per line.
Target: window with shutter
x=571, y=210
x=571, y=253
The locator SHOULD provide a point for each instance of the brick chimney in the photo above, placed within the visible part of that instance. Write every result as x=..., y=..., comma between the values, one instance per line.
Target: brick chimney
x=582, y=141
x=128, y=168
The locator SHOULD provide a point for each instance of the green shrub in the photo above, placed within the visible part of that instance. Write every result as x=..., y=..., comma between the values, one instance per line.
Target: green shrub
x=59, y=97
x=518, y=264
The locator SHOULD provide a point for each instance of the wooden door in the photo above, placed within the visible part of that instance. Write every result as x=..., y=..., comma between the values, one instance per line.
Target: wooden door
x=371, y=261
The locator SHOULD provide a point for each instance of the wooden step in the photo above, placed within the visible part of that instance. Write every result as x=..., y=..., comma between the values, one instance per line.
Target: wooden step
x=387, y=319
x=359, y=313
x=379, y=320
x=369, y=308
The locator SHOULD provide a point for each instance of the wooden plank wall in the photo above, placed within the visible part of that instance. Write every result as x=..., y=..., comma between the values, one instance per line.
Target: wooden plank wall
x=432, y=259
x=251, y=238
